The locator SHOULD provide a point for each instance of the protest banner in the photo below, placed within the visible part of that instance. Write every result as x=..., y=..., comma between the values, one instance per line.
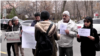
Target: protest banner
x=13, y=36
x=28, y=38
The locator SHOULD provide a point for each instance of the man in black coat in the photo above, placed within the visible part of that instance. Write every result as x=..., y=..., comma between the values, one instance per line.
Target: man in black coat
x=37, y=19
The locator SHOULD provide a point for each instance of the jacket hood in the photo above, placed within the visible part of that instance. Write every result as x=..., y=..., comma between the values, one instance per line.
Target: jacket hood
x=44, y=25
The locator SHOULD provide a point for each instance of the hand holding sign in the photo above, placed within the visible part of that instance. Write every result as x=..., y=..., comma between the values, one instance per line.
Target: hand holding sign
x=91, y=37
x=67, y=31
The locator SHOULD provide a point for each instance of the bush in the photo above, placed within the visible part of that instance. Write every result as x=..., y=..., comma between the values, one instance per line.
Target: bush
x=12, y=14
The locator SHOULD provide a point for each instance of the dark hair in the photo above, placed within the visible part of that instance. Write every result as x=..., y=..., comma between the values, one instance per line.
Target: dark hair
x=89, y=19
x=8, y=26
x=45, y=15
x=37, y=14
x=9, y=21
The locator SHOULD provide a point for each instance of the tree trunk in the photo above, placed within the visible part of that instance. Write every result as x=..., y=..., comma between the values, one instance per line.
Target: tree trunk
x=78, y=12
x=64, y=3
x=91, y=8
x=86, y=6
x=55, y=10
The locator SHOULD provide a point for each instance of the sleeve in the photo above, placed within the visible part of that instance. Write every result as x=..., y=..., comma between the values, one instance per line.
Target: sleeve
x=73, y=32
x=36, y=33
x=7, y=29
x=96, y=36
x=79, y=40
x=56, y=35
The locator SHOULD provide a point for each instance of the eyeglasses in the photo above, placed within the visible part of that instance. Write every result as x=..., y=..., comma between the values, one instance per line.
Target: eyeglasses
x=86, y=21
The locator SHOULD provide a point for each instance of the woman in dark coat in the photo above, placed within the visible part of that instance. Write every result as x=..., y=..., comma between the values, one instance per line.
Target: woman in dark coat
x=88, y=42
x=9, y=45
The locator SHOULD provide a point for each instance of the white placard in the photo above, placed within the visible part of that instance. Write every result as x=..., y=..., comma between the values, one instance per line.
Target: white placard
x=28, y=38
x=63, y=27
x=13, y=36
x=84, y=32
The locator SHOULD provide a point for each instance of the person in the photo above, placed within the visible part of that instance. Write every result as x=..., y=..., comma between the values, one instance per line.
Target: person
x=88, y=42
x=0, y=35
x=42, y=26
x=37, y=19
x=17, y=27
x=9, y=45
x=66, y=40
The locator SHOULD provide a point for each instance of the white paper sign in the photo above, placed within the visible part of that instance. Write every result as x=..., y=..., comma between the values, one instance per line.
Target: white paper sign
x=63, y=27
x=13, y=36
x=28, y=38
x=84, y=32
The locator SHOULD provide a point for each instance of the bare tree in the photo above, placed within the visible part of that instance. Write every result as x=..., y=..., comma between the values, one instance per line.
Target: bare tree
x=64, y=3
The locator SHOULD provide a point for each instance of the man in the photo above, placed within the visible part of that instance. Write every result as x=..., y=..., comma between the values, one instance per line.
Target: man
x=16, y=27
x=66, y=40
x=37, y=19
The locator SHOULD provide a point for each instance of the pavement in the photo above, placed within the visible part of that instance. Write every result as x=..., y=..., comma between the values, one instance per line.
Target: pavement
x=28, y=52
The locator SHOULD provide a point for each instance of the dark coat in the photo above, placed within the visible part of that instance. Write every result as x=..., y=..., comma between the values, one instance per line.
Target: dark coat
x=34, y=22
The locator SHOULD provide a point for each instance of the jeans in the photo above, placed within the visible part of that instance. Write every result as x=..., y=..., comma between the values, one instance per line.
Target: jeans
x=17, y=49
x=33, y=51
x=68, y=51
x=9, y=47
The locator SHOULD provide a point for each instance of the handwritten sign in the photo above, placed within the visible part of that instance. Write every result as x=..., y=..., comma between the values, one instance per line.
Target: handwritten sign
x=63, y=27
x=13, y=36
x=28, y=38
x=84, y=32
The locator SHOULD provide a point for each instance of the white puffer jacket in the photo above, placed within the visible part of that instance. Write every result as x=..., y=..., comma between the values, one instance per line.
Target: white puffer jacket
x=67, y=40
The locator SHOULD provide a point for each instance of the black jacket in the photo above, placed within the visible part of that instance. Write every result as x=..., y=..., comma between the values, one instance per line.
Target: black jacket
x=86, y=43
x=34, y=22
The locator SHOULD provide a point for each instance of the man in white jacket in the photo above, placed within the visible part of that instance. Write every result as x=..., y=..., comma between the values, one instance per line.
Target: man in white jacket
x=66, y=40
x=0, y=35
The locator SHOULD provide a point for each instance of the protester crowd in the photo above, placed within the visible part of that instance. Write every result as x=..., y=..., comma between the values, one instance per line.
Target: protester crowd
x=46, y=33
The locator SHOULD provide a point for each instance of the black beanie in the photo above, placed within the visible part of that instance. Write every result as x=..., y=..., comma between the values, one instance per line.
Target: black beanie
x=45, y=15
x=37, y=14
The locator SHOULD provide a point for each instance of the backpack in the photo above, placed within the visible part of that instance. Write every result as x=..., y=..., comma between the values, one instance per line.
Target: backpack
x=45, y=47
x=97, y=45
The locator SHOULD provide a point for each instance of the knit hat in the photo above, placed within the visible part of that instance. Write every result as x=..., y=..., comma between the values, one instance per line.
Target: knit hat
x=15, y=18
x=45, y=15
x=66, y=12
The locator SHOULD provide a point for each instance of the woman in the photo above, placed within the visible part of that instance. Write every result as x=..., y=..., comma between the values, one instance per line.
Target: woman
x=9, y=28
x=88, y=42
x=42, y=26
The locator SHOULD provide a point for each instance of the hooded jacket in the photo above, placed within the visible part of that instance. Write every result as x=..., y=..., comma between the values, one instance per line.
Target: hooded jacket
x=42, y=27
